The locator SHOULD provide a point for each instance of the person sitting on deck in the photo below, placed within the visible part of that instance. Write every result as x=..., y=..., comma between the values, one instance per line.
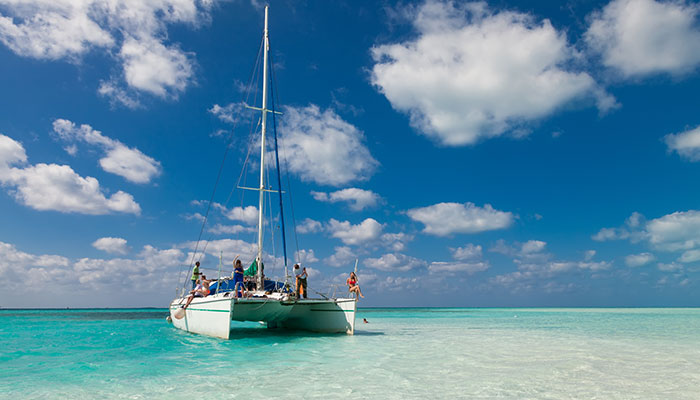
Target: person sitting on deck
x=353, y=286
x=201, y=290
x=301, y=276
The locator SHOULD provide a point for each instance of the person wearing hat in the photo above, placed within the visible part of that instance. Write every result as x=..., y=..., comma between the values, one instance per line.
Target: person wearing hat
x=301, y=276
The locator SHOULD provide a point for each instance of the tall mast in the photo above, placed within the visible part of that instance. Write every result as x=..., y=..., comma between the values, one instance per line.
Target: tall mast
x=259, y=279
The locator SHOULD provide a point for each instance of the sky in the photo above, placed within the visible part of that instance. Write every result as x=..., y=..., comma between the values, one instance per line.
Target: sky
x=469, y=154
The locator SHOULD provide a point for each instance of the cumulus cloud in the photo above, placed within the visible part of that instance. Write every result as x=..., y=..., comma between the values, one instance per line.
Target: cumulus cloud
x=396, y=241
x=248, y=215
x=472, y=73
x=56, y=187
x=220, y=229
x=686, y=144
x=342, y=256
x=540, y=270
x=468, y=252
x=152, y=67
x=637, y=260
x=66, y=29
x=690, y=256
x=321, y=147
x=306, y=256
x=151, y=266
x=229, y=247
x=394, y=262
x=111, y=245
x=309, y=225
x=350, y=234
x=533, y=246
x=231, y=113
x=541, y=275
x=129, y=163
x=642, y=37
x=444, y=219
x=455, y=267
x=676, y=231
x=633, y=230
x=357, y=199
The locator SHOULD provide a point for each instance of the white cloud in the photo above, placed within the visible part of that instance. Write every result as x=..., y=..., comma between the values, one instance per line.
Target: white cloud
x=444, y=219
x=230, y=249
x=306, y=256
x=117, y=95
x=129, y=163
x=671, y=267
x=686, y=144
x=394, y=262
x=70, y=277
x=633, y=230
x=152, y=67
x=321, y=147
x=642, y=37
x=51, y=29
x=588, y=255
x=470, y=268
x=343, y=256
x=358, y=199
x=396, y=241
x=111, y=245
x=468, y=252
x=231, y=113
x=68, y=29
x=349, y=234
x=196, y=217
x=309, y=225
x=637, y=260
x=690, y=256
x=532, y=246
x=472, y=74
x=220, y=229
x=56, y=187
x=676, y=231
x=248, y=215
x=541, y=275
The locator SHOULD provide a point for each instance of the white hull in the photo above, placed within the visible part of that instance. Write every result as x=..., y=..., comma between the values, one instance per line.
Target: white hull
x=214, y=315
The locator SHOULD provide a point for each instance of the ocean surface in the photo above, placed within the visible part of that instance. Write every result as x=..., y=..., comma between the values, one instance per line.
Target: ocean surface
x=400, y=354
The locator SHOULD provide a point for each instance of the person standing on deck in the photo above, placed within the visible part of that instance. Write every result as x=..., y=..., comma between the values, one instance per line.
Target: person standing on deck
x=238, y=283
x=195, y=274
x=301, y=276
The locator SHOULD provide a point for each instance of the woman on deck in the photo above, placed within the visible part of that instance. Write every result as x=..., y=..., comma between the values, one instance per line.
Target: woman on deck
x=201, y=290
x=238, y=283
x=353, y=286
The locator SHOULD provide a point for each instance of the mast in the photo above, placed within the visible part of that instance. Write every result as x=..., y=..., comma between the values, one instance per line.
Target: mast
x=259, y=278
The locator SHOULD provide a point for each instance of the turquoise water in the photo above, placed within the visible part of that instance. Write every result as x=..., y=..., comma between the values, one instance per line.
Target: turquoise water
x=399, y=354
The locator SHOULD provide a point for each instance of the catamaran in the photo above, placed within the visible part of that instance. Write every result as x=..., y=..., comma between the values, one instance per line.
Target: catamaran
x=268, y=302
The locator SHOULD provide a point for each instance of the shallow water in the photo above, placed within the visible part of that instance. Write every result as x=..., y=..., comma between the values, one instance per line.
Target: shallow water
x=399, y=354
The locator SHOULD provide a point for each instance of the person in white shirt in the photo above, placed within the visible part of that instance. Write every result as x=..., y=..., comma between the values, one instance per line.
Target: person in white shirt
x=301, y=276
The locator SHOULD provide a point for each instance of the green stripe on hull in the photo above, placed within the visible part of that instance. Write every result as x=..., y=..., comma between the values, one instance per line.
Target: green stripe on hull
x=202, y=309
x=334, y=310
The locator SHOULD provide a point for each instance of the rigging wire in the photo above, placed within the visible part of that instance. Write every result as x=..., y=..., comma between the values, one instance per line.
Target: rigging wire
x=277, y=159
x=289, y=183
x=218, y=177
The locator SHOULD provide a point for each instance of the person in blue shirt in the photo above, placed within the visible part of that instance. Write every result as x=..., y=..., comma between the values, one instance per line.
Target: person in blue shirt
x=238, y=277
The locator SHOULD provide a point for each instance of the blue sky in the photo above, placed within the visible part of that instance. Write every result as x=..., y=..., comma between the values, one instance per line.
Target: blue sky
x=468, y=154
